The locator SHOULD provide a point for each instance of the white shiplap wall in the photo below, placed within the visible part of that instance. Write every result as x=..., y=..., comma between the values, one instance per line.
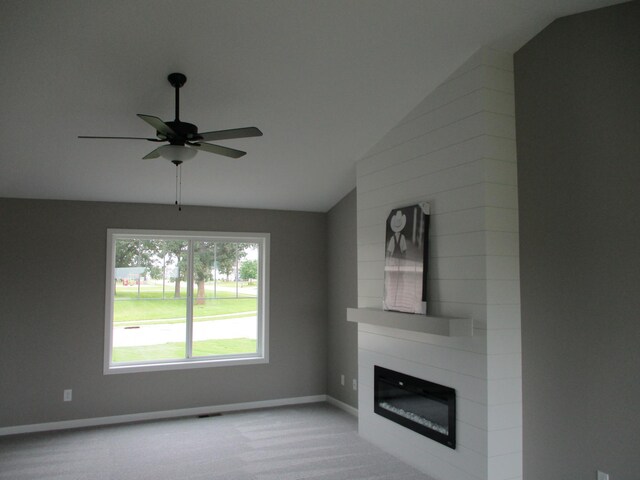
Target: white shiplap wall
x=457, y=151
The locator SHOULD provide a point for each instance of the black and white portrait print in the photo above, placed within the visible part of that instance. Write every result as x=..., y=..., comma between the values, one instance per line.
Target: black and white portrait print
x=406, y=258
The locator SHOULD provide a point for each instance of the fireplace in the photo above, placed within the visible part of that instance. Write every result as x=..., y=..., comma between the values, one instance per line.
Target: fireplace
x=424, y=407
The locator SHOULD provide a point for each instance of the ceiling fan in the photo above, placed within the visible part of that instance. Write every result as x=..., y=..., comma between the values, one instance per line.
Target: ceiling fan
x=184, y=140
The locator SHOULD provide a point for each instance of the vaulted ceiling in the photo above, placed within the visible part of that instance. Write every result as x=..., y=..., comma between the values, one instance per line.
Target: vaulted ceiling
x=323, y=79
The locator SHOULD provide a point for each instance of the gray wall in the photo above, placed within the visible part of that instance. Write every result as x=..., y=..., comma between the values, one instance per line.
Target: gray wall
x=52, y=269
x=578, y=130
x=342, y=336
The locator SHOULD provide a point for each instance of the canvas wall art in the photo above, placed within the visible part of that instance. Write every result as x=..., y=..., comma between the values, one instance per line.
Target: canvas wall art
x=406, y=259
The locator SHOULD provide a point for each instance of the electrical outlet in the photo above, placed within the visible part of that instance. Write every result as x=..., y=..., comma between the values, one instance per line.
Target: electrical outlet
x=355, y=384
x=602, y=475
x=67, y=395
x=342, y=380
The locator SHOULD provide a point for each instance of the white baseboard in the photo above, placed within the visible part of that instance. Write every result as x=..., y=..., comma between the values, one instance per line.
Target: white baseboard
x=343, y=406
x=137, y=417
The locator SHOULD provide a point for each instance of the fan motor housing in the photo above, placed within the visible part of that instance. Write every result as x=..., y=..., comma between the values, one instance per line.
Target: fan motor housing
x=184, y=130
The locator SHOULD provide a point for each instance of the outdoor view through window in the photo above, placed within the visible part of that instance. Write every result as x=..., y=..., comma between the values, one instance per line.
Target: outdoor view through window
x=180, y=299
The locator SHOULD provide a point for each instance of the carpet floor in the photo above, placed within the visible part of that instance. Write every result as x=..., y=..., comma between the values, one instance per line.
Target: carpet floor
x=315, y=441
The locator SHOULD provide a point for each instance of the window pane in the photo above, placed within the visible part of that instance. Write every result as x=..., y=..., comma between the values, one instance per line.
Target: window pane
x=149, y=304
x=179, y=287
x=225, y=305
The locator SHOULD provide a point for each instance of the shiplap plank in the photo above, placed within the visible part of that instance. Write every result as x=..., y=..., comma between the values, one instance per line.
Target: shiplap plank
x=500, y=172
x=463, y=175
x=502, y=268
x=505, y=415
x=502, y=243
x=473, y=413
x=503, y=292
x=475, y=344
x=452, y=200
x=429, y=162
x=371, y=270
x=504, y=341
x=458, y=268
x=452, y=134
x=437, y=356
x=463, y=82
x=459, y=291
x=458, y=245
x=369, y=302
x=478, y=100
x=504, y=390
x=499, y=195
x=501, y=219
x=505, y=441
x=507, y=365
x=503, y=316
x=505, y=467
x=371, y=252
x=461, y=107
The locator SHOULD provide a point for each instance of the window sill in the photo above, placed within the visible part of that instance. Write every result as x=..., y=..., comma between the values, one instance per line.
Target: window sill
x=115, y=369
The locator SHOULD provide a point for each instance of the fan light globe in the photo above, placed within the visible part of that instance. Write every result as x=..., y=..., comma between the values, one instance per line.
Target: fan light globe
x=177, y=152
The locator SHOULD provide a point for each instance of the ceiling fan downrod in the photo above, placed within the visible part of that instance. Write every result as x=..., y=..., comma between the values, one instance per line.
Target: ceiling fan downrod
x=178, y=164
x=177, y=80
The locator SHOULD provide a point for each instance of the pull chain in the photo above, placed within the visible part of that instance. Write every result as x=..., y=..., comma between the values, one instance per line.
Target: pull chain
x=178, y=165
x=180, y=189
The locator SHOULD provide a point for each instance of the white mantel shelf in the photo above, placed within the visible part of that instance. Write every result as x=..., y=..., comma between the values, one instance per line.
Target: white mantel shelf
x=448, y=327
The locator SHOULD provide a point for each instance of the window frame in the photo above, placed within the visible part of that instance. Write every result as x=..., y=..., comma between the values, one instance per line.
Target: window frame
x=262, y=343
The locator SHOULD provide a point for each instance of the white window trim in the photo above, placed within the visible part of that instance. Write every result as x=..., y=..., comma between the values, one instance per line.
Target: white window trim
x=262, y=356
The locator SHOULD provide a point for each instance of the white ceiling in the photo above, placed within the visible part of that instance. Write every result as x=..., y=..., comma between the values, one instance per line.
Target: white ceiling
x=323, y=79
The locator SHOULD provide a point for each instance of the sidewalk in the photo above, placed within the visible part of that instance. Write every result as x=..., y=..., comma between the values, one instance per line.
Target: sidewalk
x=244, y=327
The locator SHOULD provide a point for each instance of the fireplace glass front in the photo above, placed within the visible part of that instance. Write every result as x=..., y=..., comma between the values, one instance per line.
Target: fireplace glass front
x=422, y=406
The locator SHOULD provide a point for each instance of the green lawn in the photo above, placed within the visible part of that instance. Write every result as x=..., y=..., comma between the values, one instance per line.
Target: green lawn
x=223, y=289
x=131, y=306
x=176, y=350
x=150, y=309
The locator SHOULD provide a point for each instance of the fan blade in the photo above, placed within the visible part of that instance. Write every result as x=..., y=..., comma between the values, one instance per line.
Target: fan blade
x=232, y=133
x=154, y=154
x=125, y=138
x=220, y=150
x=158, y=124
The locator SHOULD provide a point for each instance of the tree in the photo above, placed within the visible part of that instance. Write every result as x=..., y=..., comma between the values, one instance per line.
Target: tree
x=155, y=272
x=249, y=270
x=203, y=263
x=229, y=255
x=135, y=253
x=209, y=255
x=174, y=251
x=154, y=256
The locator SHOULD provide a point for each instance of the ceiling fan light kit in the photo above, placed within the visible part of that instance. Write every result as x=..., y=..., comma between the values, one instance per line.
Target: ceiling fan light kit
x=184, y=140
x=177, y=153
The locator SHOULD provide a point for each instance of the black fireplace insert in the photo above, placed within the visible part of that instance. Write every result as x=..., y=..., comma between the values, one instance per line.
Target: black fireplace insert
x=424, y=407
